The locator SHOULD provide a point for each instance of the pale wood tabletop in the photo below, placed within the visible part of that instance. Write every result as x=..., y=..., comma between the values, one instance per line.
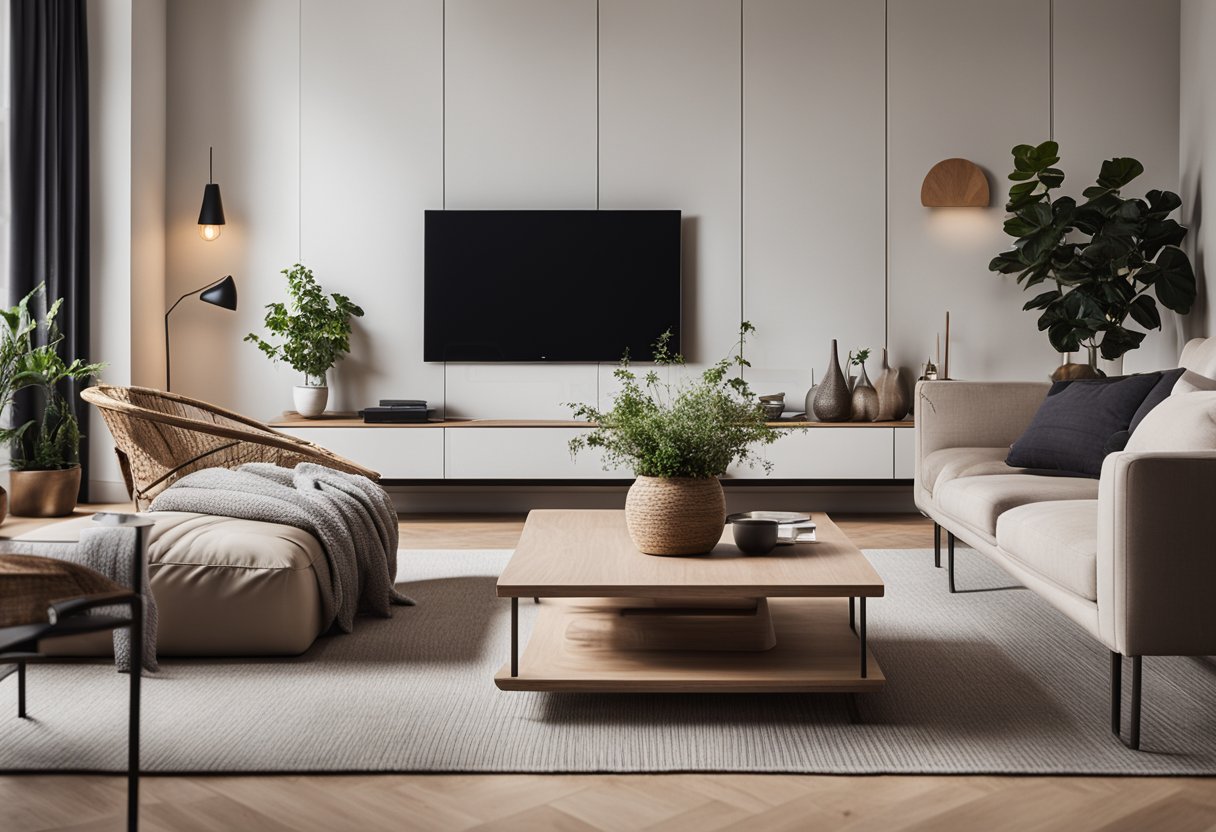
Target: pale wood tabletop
x=578, y=554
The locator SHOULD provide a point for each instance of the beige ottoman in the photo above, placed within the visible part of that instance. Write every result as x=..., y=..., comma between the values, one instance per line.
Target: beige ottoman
x=223, y=587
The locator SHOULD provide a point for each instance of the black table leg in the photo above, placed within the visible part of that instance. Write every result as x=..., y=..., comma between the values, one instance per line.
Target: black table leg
x=950, y=558
x=937, y=545
x=862, y=635
x=852, y=615
x=21, y=690
x=514, y=636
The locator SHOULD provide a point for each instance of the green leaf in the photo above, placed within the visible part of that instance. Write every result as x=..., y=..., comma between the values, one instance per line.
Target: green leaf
x=1040, y=301
x=1118, y=172
x=1175, y=282
x=1162, y=203
x=1119, y=340
x=1144, y=312
x=1051, y=177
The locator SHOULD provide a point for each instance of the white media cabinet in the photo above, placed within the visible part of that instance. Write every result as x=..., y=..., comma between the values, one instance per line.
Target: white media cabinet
x=516, y=450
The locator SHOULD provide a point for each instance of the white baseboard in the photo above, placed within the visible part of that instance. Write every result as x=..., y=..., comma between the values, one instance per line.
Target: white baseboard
x=105, y=491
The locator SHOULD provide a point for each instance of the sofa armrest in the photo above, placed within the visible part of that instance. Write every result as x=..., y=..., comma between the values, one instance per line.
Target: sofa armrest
x=973, y=414
x=1156, y=553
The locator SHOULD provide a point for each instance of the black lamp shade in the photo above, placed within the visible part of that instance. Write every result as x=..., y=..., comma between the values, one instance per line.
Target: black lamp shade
x=222, y=294
x=212, y=212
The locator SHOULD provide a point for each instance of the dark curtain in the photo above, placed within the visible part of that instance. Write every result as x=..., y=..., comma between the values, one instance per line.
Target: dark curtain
x=50, y=174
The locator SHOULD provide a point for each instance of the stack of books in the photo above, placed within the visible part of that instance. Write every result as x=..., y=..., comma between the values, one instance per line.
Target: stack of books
x=791, y=533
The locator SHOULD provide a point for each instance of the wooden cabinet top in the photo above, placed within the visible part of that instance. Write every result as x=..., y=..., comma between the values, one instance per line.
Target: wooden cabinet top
x=291, y=419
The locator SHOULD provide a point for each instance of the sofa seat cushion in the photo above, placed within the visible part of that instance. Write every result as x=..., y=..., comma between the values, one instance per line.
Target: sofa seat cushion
x=951, y=463
x=1058, y=540
x=980, y=501
x=223, y=586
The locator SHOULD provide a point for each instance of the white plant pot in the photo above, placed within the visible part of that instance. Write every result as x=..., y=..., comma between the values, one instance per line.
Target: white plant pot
x=310, y=401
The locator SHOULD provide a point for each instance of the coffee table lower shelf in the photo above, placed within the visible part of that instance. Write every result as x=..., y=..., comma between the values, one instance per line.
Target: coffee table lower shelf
x=816, y=651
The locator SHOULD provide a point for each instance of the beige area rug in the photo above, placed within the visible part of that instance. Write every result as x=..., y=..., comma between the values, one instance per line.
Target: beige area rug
x=986, y=681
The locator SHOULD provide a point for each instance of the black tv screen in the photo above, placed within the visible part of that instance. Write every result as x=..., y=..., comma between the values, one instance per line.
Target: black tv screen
x=550, y=285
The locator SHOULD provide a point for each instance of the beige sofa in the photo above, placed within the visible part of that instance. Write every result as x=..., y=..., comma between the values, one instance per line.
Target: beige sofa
x=1129, y=557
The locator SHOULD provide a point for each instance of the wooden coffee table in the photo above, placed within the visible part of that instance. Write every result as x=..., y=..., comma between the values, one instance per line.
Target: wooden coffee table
x=615, y=620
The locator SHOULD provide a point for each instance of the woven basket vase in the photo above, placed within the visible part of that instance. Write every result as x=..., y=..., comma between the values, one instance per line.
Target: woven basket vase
x=675, y=515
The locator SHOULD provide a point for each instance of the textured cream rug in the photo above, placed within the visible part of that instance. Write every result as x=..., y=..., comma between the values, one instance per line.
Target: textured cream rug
x=980, y=682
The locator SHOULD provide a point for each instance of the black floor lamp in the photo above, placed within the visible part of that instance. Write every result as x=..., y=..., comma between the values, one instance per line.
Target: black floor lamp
x=221, y=293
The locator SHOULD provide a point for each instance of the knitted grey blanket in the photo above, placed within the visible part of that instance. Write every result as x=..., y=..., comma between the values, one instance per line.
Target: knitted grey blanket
x=109, y=552
x=351, y=516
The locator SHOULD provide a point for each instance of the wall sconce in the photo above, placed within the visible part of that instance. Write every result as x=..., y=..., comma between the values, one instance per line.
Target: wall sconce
x=221, y=293
x=211, y=217
x=955, y=183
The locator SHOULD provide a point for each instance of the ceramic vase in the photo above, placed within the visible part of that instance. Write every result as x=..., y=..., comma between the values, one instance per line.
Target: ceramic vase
x=675, y=515
x=310, y=399
x=864, y=399
x=832, y=402
x=893, y=401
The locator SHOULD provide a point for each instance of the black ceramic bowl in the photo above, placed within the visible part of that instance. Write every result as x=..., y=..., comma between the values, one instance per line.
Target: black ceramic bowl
x=754, y=536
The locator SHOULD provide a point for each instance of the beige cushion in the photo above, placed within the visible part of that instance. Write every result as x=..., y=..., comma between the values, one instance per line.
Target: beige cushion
x=1199, y=356
x=1180, y=423
x=979, y=501
x=1057, y=540
x=951, y=463
x=224, y=587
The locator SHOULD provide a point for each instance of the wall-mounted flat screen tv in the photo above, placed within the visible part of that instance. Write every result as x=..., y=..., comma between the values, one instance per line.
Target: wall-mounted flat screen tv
x=550, y=285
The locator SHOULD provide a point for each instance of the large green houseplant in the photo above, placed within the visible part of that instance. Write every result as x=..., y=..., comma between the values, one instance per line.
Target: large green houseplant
x=315, y=331
x=1104, y=259
x=45, y=450
x=678, y=437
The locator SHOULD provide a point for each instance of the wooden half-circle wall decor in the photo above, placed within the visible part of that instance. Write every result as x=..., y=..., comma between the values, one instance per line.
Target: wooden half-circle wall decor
x=955, y=183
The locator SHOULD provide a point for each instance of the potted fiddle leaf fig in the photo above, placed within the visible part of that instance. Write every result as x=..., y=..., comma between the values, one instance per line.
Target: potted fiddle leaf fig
x=679, y=438
x=1099, y=261
x=315, y=331
x=45, y=450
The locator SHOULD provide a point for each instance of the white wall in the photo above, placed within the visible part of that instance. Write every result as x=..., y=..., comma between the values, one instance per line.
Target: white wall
x=1197, y=152
x=127, y=217
x=794, y=134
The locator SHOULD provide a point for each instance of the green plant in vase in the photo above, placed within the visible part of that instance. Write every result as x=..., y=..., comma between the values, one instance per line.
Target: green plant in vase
x=678, y=438
x=45, y=450
x=1106, y=259
x=314, y=329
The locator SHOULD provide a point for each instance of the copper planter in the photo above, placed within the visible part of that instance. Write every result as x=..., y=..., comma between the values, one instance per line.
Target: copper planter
x=44, y=493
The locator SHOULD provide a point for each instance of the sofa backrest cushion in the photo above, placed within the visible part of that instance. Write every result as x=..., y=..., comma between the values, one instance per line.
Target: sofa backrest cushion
x=1180, y=423
x=1073, y=427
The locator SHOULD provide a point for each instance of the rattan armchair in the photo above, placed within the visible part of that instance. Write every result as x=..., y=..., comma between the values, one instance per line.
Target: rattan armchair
x=161, y=437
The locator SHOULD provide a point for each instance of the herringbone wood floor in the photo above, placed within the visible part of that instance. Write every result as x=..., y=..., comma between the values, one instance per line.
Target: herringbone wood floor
x=697, y=802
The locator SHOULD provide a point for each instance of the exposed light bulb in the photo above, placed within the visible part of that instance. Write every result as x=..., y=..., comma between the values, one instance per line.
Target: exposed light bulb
x=209, y=232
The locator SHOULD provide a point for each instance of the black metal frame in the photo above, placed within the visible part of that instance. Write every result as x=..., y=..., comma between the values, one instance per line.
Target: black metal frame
x=937, y=545
x=1132, y=740
x=950, y=559
x=19, y=645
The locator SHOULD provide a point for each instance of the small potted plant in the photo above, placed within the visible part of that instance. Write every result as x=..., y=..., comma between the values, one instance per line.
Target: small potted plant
x=44, y=451
x=678, y=438
x=315, y=330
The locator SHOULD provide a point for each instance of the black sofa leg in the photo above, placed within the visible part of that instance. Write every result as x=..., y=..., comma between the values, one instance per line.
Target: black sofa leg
x=21, y=690
x=1132, y=740
x=937, y=545
x=950, y=558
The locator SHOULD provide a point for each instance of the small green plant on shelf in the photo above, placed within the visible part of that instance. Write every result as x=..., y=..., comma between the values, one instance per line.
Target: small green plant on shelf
x=697, y=426
x=859, y=357
x=314, y=327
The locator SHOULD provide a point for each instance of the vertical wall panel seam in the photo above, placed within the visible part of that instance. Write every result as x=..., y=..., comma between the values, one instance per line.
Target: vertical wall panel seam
x=1051, y=69
x=598, y=365
x=300, y=134
x=886, y=172
x=443, y=170
x=742, y=227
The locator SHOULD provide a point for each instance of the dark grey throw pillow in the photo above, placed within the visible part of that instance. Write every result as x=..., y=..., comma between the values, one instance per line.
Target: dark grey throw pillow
x=1072, y=428
x=1156, y=396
